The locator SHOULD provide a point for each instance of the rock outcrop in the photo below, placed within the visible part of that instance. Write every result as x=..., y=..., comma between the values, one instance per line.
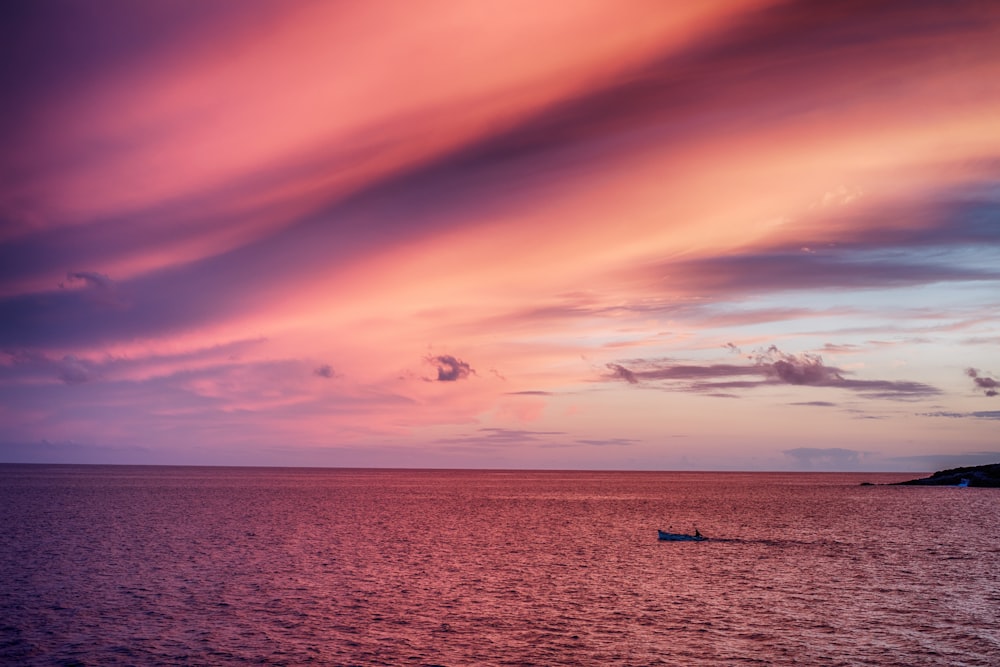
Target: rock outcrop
x=986, y=475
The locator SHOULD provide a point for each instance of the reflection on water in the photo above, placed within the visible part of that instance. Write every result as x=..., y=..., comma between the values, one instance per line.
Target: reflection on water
x=146, y=565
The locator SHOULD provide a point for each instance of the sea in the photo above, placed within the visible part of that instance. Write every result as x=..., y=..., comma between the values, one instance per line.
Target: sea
x=133, y=565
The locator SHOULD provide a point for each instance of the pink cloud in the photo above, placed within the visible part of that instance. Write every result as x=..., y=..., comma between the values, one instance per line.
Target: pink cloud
x=256, y=222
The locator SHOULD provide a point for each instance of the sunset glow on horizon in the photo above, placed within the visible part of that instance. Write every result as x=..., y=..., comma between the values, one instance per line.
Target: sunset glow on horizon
x=646, y=235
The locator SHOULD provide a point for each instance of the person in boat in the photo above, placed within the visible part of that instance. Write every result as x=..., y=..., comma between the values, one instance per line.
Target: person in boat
x=697, y=533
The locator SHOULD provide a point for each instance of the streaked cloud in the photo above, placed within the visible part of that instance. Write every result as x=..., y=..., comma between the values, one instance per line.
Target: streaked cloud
x=977, y=414
x=488, y=437
x=608, y=442
x=769, y=366
x=209, y=212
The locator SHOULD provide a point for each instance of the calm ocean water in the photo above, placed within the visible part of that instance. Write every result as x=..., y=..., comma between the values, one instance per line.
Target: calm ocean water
x=107, y=565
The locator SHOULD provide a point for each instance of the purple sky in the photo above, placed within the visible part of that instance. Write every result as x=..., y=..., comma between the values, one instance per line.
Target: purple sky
x=642, y=235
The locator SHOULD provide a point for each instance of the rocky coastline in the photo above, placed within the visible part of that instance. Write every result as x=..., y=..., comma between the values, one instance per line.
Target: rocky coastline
x=981, y=476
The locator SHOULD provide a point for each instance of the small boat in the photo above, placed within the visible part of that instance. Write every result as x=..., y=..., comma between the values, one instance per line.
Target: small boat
x=681, y=537
x=963, y=484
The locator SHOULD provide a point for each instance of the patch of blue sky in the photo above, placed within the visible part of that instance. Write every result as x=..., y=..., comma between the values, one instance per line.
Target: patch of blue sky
x=903, y=310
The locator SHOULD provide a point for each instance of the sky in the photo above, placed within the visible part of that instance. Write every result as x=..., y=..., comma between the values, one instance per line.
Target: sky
x=578, y=234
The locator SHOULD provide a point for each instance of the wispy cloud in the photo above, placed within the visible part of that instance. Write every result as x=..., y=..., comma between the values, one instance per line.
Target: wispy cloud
x=621, y=373
x=502, y=437
x=988, y=384
x=976, y=414
x=68, y=369
x=74, y=371
x=881, y=256
x=769, y=366
x=790, y=271
x=608, y=442
x=97, y=287
x=91, y=279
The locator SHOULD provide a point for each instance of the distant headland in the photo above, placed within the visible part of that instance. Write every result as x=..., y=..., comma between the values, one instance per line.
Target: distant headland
x=985, y=475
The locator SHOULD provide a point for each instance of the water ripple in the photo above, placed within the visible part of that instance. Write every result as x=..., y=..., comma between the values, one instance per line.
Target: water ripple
x=120, y=566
